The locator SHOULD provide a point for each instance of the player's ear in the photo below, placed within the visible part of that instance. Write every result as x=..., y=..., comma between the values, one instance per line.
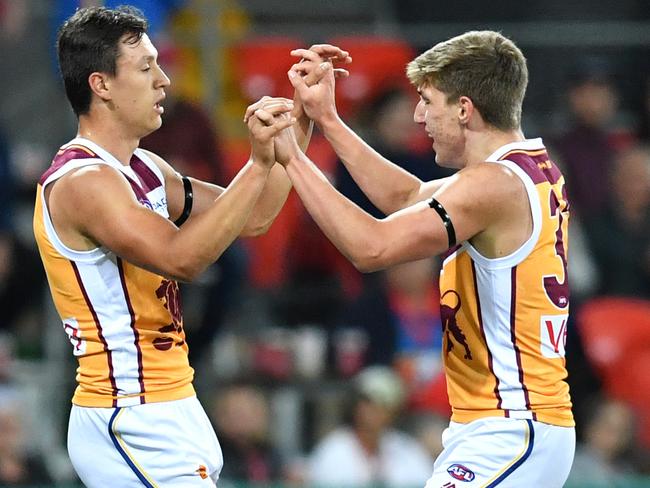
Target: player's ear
x=100, y=85
x=465, y=109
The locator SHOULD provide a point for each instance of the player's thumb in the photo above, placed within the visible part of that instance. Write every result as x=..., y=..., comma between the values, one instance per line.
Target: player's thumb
x=323, y=69
x=296, y=80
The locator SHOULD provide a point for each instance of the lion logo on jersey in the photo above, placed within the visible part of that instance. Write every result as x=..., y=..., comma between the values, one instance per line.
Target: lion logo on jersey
x=169, y=293
x=450, y=326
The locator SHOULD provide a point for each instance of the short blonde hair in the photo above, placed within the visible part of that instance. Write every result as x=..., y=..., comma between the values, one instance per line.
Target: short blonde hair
x=482, y=65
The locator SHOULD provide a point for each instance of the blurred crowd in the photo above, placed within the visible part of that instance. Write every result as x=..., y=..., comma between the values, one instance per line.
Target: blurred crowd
x=314, y=374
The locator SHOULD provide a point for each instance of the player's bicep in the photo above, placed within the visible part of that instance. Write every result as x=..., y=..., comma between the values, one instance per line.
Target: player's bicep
x=410, y=234
x=204, y=195
x=179, y=202
x=474, y=199
x=108, y=213
x=430, y=228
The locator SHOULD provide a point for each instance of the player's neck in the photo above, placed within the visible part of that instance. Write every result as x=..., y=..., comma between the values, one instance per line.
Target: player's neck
x=480, y=145
x=110, y=137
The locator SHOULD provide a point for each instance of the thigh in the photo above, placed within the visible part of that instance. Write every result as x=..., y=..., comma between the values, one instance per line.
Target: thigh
x=505, y=453
x=158, y=444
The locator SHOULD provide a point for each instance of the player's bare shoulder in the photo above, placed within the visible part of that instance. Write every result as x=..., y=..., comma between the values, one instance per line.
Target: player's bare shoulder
x=490, y=182
x=78, y=188
x=502, y=201
x=484, y=189
x=81, y=196
x=81, y=184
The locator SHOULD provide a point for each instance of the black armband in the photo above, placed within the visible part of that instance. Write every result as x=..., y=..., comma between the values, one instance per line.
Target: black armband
x=451, y=233
x=189, y=199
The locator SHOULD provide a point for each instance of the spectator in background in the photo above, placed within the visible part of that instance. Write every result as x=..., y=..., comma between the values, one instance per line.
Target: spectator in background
x=620, y=235
x=586, y=150
x=368, y=451
x=314, y=289
x=644, y=104
x=6, y=215
x=604, y=456
x=21, y=274
x=240, y=415
x=18, y=465
x=400, y=313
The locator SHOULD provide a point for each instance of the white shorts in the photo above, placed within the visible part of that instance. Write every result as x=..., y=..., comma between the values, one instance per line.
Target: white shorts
x=154, y=445
x=505, y=453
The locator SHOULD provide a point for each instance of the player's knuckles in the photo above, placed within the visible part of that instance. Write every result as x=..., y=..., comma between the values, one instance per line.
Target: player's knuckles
x=302, y=67
x=323, y=48
x=305, y=53
x=279, y=109
x=261, y=113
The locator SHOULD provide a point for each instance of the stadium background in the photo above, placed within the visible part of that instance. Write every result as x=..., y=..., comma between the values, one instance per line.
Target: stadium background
x=250, y=316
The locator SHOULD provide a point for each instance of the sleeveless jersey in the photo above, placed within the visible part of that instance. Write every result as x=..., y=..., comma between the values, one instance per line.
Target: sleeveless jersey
x=505, y=319
x=125, y=323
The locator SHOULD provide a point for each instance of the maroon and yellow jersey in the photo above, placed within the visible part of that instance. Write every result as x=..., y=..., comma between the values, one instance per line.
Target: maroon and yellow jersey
x=505, y=319
x=125, y=323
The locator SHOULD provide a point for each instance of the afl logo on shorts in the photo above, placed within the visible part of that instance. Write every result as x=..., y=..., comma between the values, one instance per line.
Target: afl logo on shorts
x=460, y=472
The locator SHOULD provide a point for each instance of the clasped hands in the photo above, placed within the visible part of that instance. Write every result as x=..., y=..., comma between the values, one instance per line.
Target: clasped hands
x=270, y=120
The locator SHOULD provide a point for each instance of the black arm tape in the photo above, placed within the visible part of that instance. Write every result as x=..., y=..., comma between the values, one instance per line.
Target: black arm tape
x=451, y=233
x=189, y=199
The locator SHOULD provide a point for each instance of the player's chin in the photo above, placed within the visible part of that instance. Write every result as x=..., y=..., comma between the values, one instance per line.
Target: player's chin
x=152, y=126
x=442, y=161
x=156, y=123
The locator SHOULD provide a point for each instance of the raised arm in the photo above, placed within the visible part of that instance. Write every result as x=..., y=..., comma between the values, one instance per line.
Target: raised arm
x=278, y=185
x=268, y=204
x=322, y=52
x=95, y=206
x=266, y=209
x=387, y=185
x=414, y=232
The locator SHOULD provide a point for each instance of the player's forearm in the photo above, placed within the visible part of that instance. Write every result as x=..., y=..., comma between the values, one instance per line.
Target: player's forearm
x=351, y=230
x=279, y=185
x=205, y=237
x=270, y=202
x=388, y=186
x=304, y=125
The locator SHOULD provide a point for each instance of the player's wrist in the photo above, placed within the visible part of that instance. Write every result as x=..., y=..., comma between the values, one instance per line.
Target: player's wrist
x=328, y=120
x=262, y=164
x=294, y=159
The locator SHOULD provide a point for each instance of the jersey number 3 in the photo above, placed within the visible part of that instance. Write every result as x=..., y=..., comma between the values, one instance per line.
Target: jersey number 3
x=556, y=291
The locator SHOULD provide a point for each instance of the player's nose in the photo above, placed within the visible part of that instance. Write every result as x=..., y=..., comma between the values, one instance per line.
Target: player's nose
x=419, y=113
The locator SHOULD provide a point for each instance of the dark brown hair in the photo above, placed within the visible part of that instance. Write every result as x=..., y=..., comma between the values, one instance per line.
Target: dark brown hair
x=88, y=42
